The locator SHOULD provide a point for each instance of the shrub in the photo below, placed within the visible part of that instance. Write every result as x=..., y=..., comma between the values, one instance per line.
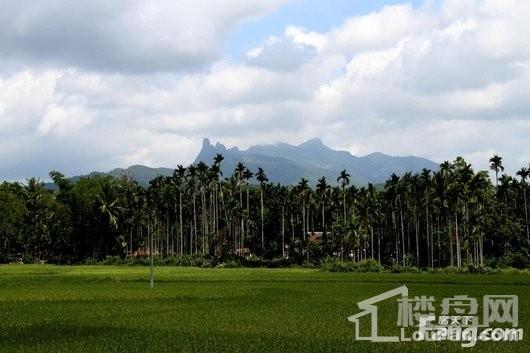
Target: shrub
x=452, y=270
x=370, y=265
x=112, y=260
x=333, y=264
x=404, y=269
x=480, y=269
x=230, y=264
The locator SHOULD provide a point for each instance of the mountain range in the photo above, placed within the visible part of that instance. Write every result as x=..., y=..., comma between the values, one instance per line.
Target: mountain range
x=286, y=164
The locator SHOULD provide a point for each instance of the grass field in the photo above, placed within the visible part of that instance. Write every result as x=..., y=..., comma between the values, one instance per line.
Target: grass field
x=112, y=309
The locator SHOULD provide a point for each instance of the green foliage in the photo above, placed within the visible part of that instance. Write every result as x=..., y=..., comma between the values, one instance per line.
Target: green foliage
x=336, y=265
x=181, y=261
x=230, y=264
x=333, y=264
x=435, y=219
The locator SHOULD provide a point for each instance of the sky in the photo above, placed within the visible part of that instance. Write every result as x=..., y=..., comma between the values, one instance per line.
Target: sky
x=96, y=85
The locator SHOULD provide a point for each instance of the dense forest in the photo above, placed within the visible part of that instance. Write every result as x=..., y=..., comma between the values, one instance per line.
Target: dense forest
x=449, y=217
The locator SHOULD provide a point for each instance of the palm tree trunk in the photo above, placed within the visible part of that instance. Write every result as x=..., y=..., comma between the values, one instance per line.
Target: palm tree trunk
x=247, y=223
x=371, y=241
x=481, y=248
x=324, y=217
x=379, y=243
x=497, y=178
x=283, y=231
x=439, y=247
x=242, y=235
x=292, y=229
x=151, y=262
x=402, y=233
x=303, y=219
x=344, y=203
x=451, y=253
x=194, y=237
x=396, y=235
x=431, y=250
x=457, y=241
x=417, y=231
x=130, y=240
x=525, y=212
x=204, y=220
x=262, y=228
x=427, y=233
x=167, y=231
x=181, y=252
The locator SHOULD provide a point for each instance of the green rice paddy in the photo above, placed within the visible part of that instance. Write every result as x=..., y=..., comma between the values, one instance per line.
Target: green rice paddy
x=112, y=309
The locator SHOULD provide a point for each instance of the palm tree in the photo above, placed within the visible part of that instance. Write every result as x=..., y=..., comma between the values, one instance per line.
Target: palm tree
x=192, y=185
x=262, y=179
x=479, y=192
x=322, y=192
x=393, y=189
x=179, y=176
x=202, y=173
x=217, y=190
x=525, y=173
x=426, y=184
x=464, y=176
x=239, y=173
x=303, y=190
x=505, y=191
x=344, y=179
x=496, y=165
x=108, y=202
x=247, y=175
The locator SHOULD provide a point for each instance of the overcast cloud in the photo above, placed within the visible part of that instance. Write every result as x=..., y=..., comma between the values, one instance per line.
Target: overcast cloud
x=103, y=84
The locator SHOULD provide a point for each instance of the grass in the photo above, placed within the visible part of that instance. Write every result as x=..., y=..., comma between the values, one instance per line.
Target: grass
x=111, y=309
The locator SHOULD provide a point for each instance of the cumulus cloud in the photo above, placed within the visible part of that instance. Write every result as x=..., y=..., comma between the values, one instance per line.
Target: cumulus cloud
x=436, y=81
x=122, y=35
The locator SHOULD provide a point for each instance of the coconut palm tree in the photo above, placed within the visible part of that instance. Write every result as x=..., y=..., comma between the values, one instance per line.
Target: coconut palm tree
x=179, y=176
x=496, y=165
x=322, y=192
x=217, y=190
x=392, y=195
x=425, y=179
x=239, y=174
x=247, y=176
x=525, y=173
x=108, y=202
x=262, y=179
x=344, y=179
x=479, y=190
x=192, y=187
x=303, y=193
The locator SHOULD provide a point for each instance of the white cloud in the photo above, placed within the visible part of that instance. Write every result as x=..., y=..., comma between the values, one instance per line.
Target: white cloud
x=64, y=119
x=309, y=38
x=431, y=81
x=122, y=35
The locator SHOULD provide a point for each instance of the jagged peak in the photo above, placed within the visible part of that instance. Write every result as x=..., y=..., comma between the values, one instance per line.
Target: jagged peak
x=315, y=141
x=220, y=146
x=206, y=142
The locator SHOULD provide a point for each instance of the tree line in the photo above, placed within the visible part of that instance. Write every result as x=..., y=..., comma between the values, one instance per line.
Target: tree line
x=449, y=217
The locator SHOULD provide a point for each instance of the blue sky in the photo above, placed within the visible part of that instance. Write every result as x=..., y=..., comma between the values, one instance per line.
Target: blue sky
x=317, y=15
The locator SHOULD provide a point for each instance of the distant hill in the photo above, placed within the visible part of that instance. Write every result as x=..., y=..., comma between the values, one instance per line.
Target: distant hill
x=140, y=173
x=286, y=164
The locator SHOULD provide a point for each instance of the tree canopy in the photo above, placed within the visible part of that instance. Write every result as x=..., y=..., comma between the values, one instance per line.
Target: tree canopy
x=448, y=217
